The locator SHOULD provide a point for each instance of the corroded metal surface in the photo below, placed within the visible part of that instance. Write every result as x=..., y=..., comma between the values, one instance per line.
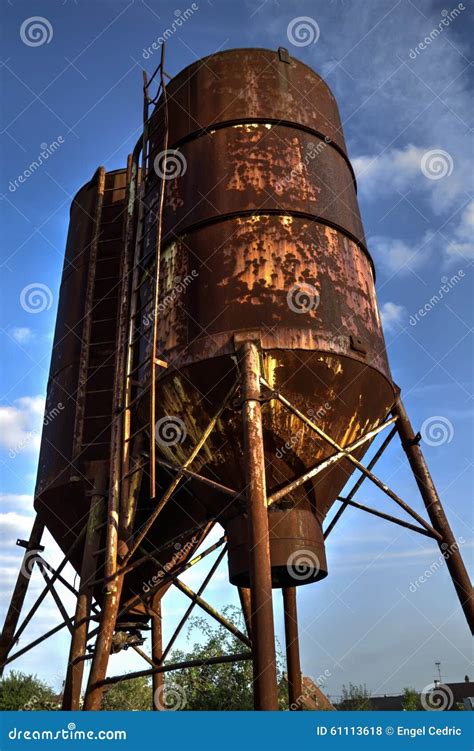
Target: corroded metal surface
x=262, y=236
x=246, y=85
x=262, y=168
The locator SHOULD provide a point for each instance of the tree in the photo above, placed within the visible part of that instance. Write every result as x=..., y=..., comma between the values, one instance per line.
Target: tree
x=411, y=700
x=126, y=695
x=215, y=687
x=355, y=698
x=19, y=691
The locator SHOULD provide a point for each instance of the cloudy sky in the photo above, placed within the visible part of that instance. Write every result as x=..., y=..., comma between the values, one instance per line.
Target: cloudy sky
x=407, y=114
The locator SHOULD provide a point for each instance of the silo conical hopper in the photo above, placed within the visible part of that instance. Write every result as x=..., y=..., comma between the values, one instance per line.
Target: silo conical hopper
x=262, y=239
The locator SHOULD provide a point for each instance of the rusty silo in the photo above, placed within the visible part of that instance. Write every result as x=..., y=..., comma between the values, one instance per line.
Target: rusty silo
x=220, y=358
x=278, y=253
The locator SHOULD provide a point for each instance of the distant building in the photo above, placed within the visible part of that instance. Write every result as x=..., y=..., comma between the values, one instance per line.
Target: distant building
x=463, y=698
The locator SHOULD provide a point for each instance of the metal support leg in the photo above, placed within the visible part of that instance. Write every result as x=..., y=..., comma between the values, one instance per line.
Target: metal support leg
x=19, y=593
x=117, y=533
x=263, y=634
x=157, y=652
x=75, y=670
x=244, y=596
x=293, y=667
x=448, y=545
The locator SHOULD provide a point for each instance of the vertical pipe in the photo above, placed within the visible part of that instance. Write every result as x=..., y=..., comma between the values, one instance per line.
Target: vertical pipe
x=293, y=667
x=263, y=634
x=448, y=545
x=157, y=652
x=113, y=591
x=75, y=669
x=19, y=593
x=117, y=533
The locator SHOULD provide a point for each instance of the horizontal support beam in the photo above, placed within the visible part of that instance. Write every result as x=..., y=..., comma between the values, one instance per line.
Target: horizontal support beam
x=220, y=660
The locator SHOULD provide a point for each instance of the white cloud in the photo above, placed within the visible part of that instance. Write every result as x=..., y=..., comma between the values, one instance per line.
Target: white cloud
x=21, y=425
x=22, y=334
x=392, y=316
x=412, y=169
x=13, y=525
x=391, y=170
x=462, y=244
x=397, y=256
x=19, y=502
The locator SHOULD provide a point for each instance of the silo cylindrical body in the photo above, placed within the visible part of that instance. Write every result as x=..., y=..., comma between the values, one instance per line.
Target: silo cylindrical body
x=78, y=414
x=262, y=240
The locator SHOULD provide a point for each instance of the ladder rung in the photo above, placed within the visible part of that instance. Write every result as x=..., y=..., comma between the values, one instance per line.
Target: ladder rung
x=104, y=298
x=108, y=258
x=142, y=237
x=142, y=307
x=111, y=190
x=133, y=472
x=95, y=443
x=147, y=277
x=111, y=240
x=140, y=365
x=114, y=221
x=104, y=320
x=99, y=391
x=97, y=417
x=134, y=401
x=100, y=366
x=105, y=278
x=102, y=344
x=136, y=432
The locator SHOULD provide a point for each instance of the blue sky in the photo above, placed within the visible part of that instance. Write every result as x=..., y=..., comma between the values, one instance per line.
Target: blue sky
x=407, y=114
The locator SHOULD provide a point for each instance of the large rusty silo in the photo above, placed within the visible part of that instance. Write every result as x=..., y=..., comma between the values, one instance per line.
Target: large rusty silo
x=262, y=216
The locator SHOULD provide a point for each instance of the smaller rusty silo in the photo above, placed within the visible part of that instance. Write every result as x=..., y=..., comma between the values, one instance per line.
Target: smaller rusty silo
x=81, y=381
